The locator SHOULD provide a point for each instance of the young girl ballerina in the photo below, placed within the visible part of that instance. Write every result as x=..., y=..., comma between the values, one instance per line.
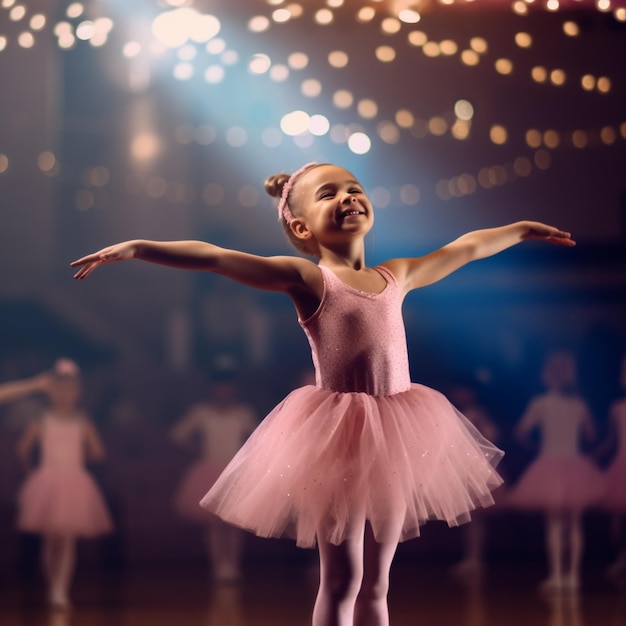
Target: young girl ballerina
x=222, y=424
x=59, y=499
x=359, y=461
x=561, y=481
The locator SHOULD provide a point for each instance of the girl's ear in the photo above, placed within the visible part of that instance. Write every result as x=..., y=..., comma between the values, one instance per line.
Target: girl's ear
x=300, y=229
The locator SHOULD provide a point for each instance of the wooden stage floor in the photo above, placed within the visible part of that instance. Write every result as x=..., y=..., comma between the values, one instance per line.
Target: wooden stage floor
x=422, y=594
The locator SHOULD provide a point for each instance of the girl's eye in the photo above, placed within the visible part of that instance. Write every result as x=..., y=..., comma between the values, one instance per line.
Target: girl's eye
x=355, y=190
x=326, y=194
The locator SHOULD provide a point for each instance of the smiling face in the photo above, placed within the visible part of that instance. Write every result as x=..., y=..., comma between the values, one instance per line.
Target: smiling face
x=331, y=206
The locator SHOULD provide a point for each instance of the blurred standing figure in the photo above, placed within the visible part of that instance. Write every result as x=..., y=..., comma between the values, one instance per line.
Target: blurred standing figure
x=465, y=397
x=222, y=424
x=615, y=495
x=59, y=499
x=560, y=481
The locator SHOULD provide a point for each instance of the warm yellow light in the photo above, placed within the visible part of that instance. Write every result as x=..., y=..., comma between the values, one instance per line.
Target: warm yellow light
x=557, y=77
x=298, y=60
x=437, y=126
x=571, y=29
x=588, y=82
x=311, y=88
x=608, y=135
x=470, y=57
x=604, y=84
x=417, y=38
x=338, y=59
x=580, y=139
x=551, y=139
x=324, y=16
x=539, y=74
x=367, y=109
x=498, y=134
x=522, y=166
x=388, y=132
x=504, y=66
x=343, y=99
x=533, y=138
x=461, y=129
x=46, y=161
x=542, y=159
x=404, y=118
x=523, y=40
x=520, y=7
x=366, y=14
x=448, y=47
x=431, y=49
x=478, y=44
x=390, y=25
x=385, y=54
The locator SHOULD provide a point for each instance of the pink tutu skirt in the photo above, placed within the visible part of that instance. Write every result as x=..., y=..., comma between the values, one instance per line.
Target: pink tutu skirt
x=324, y=462
x=194, y=484
x=558, y=484
x=62, y=501
x=615, y=485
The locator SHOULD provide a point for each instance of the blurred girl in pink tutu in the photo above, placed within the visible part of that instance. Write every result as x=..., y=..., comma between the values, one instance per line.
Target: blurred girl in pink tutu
x=560, y=481
x=615, y=494
x=361, y=459
x=222, y=424
x=59, y=499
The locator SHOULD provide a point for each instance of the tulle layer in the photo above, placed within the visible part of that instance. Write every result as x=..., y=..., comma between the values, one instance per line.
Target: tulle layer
x=194, y=484
x=324, y=462
x=62, y=501
x=615, y=493
x=558, y=484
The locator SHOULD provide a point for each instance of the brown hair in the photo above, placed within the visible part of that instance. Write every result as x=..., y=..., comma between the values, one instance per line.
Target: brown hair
x=274, y=185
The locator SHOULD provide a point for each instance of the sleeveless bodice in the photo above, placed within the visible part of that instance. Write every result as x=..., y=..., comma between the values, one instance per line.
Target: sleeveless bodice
x=357, y=339
x=62, y=442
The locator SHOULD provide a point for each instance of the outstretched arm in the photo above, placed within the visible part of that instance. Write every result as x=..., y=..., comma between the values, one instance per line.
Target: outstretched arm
x=22, y=388
x=279, y=273
x=478, y=244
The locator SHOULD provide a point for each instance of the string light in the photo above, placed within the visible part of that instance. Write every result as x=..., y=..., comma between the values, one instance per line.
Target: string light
x=78, y=28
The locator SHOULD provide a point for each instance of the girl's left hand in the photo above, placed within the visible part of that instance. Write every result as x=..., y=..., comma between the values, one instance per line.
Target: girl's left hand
x=537, y=230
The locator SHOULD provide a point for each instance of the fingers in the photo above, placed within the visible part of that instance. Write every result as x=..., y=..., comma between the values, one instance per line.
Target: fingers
x=86, y=270
x=89, y=263
x=90, y=258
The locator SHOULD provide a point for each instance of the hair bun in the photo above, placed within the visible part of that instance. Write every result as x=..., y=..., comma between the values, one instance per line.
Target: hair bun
x=66, y=367
x=274, y=184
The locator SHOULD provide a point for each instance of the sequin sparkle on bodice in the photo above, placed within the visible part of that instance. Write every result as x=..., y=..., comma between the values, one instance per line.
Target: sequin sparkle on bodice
x=357, y=339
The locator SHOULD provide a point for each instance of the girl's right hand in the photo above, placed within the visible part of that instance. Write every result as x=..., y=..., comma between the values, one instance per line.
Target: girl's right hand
x=118, y=252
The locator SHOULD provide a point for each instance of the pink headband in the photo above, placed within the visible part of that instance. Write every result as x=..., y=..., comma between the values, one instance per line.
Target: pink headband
x=283, y=207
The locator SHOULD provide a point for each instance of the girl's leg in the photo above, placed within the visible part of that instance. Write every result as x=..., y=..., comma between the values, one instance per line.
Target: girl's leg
x=224, y=544
x=341, y=572
x=576, y=547
x=371, y=604
x=474, y=547
x=62, y=570
x=554, y=547
x=48, y=552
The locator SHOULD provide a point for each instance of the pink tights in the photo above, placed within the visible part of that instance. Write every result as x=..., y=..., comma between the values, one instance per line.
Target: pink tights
x=354, y=581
